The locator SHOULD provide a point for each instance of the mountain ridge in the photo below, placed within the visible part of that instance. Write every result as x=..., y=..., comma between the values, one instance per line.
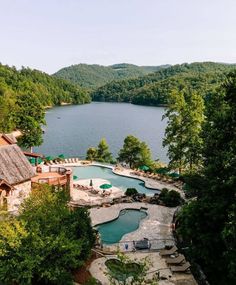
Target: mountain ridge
x=93, y=76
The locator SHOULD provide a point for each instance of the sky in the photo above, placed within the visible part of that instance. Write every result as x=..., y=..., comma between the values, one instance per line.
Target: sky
x=51, y=34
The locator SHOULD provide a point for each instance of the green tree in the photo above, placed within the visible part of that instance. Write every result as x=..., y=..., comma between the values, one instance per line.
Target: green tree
x=211, y=215
x=30, y=118
x=48, y=240
x=134, y=152
x=183, y=132
x=7, y=110
x=91, y=153
x=103, y=153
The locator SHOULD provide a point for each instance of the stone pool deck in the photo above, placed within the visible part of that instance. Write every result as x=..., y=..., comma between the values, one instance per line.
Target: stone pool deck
x=98, y=270
x=149, y=182
x=86, y=197
x=156, y=226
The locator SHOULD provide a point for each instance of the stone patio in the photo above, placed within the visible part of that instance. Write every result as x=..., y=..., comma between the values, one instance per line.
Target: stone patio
x=156, y=226
x=98, y=270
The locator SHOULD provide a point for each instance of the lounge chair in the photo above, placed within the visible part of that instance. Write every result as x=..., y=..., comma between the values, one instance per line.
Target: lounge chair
x=176, y=260
x=181, y=268
x=164, y=252
x=142, y=244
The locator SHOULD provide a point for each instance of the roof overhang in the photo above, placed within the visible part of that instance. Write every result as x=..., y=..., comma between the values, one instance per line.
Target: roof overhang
x=32, y=154
x=4, y=182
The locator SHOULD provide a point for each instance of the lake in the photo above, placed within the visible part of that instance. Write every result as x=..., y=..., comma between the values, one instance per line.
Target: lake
x=71, y=130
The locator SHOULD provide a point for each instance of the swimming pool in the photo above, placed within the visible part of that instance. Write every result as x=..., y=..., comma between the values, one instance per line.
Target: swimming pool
x=128, y=221
x=122, y=182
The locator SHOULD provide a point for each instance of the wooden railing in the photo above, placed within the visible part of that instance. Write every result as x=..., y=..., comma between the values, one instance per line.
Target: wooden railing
x=52, y=180
x=60, y=170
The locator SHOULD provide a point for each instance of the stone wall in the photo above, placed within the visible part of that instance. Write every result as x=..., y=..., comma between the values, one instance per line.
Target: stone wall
x=20, y=192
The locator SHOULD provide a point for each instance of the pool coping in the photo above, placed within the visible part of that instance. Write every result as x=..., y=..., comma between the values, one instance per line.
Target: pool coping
x=119, y=174
x=112, y=167
x=156, y=225
x=113, y=219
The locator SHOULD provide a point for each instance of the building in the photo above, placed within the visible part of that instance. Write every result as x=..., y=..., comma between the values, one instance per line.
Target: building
x=15, y=175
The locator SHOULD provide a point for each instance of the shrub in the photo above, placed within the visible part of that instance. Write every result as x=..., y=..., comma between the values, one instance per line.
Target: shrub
x=131, y=192
x=170, y=198
x=92, y=281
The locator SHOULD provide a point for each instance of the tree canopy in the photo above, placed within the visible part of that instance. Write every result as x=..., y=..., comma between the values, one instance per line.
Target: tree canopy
x=154, y=89
x=46, y=241
x=207, y=224
x=101, y=153
x=93, y=76
x=135, y=152
x=23, y=96
x=185, y=115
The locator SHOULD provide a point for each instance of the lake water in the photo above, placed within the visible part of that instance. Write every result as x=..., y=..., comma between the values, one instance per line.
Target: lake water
x=71, y=130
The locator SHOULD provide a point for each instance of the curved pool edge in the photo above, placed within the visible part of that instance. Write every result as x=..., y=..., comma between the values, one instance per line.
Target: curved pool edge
x=118, y=214
x=116, y=173
x=141, y=221
x=129, y=176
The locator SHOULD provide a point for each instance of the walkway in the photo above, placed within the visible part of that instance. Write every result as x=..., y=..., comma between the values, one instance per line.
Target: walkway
x=98, y=270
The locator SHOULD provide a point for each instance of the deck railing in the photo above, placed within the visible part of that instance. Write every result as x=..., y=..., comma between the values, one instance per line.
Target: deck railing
x=60, y=170
x=52, y=180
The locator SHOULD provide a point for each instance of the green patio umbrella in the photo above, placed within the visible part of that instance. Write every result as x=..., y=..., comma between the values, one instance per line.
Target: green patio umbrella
x=62, y=156
x=32, y=160
x=48, y=158
x=75, y=177
x=174, y=175
x=144, y=167
x=162, y=170
x=105, y=186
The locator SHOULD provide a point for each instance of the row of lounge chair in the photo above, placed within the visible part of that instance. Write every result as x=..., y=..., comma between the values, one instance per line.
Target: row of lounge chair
x=92, y=190
x=158, y=177
x=66, y=160
x=82, y=187
x=177, y=263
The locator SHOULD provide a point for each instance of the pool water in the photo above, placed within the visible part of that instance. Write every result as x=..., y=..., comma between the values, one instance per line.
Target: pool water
x=128, y=221
x=122, y=182
x=121, y=272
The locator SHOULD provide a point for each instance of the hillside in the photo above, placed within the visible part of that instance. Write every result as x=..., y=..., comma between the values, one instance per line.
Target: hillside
x=153, y=89
x=25, y=93
x=94, y=76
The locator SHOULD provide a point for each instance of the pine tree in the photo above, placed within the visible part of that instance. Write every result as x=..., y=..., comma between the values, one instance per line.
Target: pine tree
x=103, y=153
x=135, y=152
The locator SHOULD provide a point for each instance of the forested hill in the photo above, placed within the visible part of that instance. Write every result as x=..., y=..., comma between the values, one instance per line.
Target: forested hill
x=153, y=89
x=25, y=93
x=49, y=90
x=94, y=76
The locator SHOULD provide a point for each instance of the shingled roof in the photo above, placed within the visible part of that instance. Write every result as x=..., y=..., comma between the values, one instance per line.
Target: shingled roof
x=14, y=166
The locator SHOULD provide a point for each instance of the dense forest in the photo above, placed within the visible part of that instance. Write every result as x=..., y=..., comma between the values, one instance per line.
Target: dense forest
x=25, y=93
x=154, y=89
x=201, y=141
x=94, y=76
